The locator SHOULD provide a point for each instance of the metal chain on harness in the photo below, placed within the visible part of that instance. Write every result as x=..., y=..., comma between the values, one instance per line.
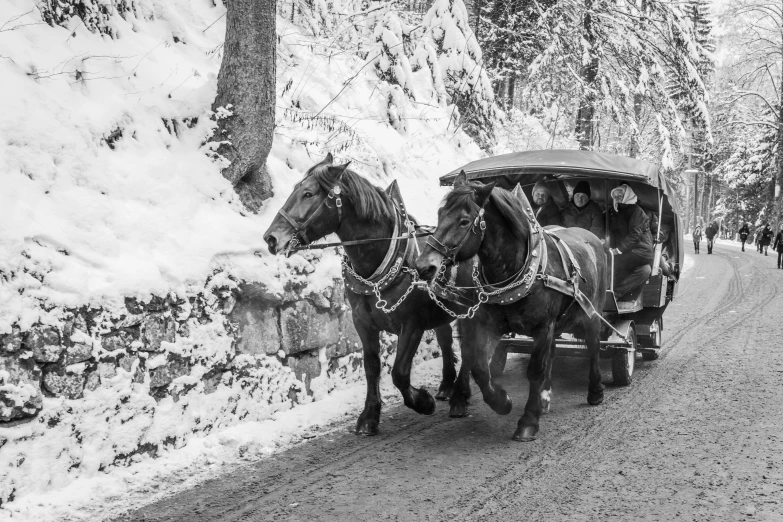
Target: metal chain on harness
x=381, y=303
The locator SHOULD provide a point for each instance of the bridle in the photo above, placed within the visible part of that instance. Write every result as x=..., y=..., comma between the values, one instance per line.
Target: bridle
x=300, y=227
x=450, y=253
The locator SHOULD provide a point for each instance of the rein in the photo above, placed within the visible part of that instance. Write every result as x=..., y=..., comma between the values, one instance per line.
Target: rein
x=319, y=246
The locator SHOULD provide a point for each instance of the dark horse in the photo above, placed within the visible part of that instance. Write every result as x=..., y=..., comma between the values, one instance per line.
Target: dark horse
x=333, y=199
x=499, y=226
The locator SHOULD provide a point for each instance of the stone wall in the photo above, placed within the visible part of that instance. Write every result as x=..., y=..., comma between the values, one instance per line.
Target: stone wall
x=89, y=345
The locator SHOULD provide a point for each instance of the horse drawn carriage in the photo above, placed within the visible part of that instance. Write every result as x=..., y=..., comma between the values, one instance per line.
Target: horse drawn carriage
x=632, y=325
x=516, y=276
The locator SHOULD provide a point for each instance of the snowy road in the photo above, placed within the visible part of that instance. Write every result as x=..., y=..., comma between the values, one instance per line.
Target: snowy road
x=697, y=436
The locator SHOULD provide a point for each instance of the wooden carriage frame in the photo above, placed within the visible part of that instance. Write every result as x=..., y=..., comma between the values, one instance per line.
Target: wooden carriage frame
x=639, y=321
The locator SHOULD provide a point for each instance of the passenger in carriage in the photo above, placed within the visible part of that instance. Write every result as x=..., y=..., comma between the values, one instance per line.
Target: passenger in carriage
x=583, y=212
x=546, y=210
x=631, y=242
x=662, y=237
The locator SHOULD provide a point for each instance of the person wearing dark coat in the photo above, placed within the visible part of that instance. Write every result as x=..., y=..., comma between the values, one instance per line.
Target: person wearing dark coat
x=744, y=233
x=631, y=242
x=778, y=246
x=546, y=210
x=766, y=238
x=711, y=231
x=583, y=212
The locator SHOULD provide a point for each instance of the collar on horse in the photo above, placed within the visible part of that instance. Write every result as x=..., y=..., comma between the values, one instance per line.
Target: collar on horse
x=391, y=268
x=300, y=228
x=519, y=285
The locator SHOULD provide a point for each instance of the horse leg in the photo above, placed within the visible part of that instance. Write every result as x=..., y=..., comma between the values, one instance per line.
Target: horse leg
x=417, y=399
x=539, y=371
x=458, y=403
x=446, y=343
x=483, y=337
x=498, y=363
x=367, y=424
x=595, y=390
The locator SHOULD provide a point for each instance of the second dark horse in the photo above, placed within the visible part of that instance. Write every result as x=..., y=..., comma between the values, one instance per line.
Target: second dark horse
x=334, y=199
x=498, y=226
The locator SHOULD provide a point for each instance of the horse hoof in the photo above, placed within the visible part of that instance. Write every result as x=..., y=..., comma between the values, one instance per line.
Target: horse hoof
x=503, y=406
x=527, y=434
x=595, y=398
x=425, y=404
x=366, y=430
x=458, y=410
x=444, y=393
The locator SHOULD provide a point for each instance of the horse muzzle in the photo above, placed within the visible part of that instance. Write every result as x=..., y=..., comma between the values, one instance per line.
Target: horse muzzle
x=427, y=265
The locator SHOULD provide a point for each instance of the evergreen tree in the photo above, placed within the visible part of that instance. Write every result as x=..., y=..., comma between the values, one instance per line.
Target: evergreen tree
x=615, y=58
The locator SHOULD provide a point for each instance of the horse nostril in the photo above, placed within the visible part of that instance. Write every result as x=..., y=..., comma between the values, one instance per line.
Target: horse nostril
x=428, y=272
x=271, y=242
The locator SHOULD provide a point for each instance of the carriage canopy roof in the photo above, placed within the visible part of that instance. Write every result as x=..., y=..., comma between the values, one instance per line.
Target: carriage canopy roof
x=531, y=166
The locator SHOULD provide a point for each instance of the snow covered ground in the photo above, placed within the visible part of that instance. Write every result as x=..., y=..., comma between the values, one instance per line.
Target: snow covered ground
x=118, y=490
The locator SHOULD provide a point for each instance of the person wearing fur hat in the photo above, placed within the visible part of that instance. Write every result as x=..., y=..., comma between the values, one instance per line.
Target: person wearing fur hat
x=546, y=211
x=583, y=212
x=631, y=241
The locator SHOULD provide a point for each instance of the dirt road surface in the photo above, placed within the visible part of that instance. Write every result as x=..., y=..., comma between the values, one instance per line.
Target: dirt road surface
x=698, y=435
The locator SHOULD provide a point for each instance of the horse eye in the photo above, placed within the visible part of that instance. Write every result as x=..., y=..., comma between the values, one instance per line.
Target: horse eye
x=308, y=195
x=464, y=223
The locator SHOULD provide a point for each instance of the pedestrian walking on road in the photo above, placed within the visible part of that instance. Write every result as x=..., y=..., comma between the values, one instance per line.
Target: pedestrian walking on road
x=711, y=232
x=766, y=238
x=778, y=246
x=696, y=238
x=744, y=232
x=757, y=238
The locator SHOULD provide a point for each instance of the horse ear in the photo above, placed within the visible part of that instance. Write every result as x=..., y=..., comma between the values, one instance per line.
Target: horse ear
x=483, y=192
x=461, y=179
x=329, y=159
x=335, y=171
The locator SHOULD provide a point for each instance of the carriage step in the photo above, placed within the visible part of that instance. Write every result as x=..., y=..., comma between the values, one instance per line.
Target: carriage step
x=562, y=347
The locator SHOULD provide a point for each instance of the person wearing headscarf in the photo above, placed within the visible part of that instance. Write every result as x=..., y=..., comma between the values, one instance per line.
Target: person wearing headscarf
x=631, y=241
x=546, y=211
x=583, y=212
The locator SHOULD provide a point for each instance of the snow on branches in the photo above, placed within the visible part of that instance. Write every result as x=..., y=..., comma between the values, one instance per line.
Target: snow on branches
x=641, y=52
x=462, y=68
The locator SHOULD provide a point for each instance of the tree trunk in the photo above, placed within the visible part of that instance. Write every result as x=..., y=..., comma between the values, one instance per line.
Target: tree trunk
x=512, y=87
x=779, y=177
x=586, y=113
x=246, y=83
x=636, y=134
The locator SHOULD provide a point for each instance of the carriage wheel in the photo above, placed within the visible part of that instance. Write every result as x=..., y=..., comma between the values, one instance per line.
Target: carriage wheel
x=623, y=361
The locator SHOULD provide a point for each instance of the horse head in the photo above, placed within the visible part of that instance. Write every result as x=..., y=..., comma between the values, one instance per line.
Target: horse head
x=460, y=229
x=312, y=211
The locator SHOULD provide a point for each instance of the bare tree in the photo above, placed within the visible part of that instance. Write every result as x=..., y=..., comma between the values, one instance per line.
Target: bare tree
x=246, y=88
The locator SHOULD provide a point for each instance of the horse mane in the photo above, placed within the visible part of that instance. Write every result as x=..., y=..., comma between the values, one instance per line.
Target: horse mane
x=510, y=208
x=370, y=202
